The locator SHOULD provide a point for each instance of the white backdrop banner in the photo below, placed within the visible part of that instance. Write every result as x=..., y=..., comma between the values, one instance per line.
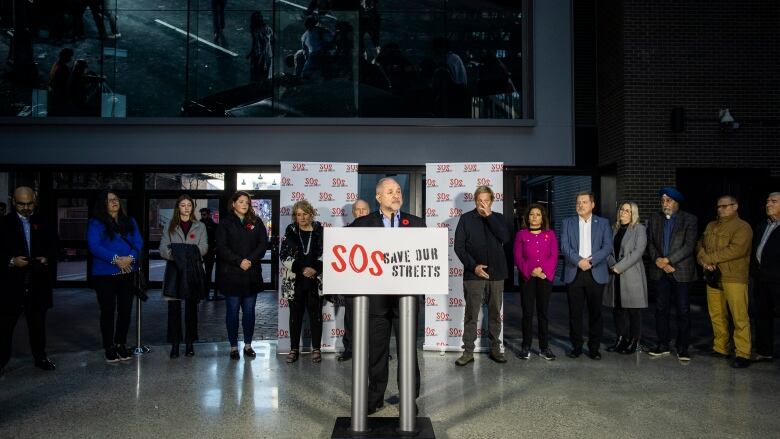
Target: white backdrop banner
x=449, y=193
x=385, y=261
x=331, y=188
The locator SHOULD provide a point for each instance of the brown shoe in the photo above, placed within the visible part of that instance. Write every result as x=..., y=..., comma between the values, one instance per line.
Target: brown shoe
x=316, y=356
x=498, y=357
x=292, y=357
x=465, y=359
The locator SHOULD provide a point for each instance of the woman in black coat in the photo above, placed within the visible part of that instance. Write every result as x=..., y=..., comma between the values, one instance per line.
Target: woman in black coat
x=302, y=251
x=241, y=243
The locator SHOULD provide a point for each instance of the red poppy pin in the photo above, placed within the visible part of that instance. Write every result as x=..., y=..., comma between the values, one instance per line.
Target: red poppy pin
x=35, y=226
x=405, y=222
x=192, y=236
x=250, y=226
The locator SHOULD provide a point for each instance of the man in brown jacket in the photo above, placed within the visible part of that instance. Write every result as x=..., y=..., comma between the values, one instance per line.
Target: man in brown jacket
x=725, y=246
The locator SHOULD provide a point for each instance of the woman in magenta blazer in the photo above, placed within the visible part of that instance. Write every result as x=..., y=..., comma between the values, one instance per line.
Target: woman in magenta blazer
x=536, y=256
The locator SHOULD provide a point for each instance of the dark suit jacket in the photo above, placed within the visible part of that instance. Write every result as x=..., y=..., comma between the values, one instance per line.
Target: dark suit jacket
x=769, y=269
x=236, y=242
x=681, y=246
x=381, y=305
x=600, y=246
x=43, y=240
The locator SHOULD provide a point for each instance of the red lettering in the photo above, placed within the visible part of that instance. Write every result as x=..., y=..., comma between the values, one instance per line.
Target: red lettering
x=362, y=250
x=377, y=258
x=342, y=265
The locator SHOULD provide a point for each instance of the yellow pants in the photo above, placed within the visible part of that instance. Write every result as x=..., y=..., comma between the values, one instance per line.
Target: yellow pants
x=734, y=298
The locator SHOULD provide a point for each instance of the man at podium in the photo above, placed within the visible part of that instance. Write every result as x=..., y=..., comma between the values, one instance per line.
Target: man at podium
x=383, y=311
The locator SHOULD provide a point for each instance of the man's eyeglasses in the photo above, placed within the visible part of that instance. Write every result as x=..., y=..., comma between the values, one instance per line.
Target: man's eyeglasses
x=723, y=206
x=20, y=204
x=112, y=200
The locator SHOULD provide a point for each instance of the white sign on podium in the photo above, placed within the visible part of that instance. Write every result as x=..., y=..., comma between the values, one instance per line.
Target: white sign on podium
x=402, y=261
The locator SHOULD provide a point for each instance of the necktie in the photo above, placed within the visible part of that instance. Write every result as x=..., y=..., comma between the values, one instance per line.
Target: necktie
x=392, y=221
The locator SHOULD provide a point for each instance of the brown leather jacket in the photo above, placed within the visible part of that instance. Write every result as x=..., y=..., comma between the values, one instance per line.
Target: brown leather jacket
x=726, y=243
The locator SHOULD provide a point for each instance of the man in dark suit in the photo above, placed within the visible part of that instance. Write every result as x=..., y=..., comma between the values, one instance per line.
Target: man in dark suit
x=210, y=258
x=28, y=254
x=765, y=269
x=383, y=312
x=671, y=241
x=586, y=242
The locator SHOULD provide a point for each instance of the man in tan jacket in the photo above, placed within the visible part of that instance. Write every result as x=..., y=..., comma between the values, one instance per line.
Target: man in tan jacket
x=725, y=245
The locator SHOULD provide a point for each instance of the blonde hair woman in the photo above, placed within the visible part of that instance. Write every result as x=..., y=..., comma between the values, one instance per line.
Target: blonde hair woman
x=626, y=291
x=302, y=247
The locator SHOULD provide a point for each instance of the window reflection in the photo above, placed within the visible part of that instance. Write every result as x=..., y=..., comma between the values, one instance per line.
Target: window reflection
x=270, y=58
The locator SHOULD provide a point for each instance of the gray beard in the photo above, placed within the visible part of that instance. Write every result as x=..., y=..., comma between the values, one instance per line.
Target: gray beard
x=668, y=212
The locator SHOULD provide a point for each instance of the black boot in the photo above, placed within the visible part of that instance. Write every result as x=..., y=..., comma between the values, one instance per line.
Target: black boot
x=630, y=347
x=189, y=351
x=175, y=350
x=616, y=346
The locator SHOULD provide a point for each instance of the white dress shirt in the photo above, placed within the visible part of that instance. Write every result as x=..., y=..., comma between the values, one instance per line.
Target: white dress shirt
x=585, y=226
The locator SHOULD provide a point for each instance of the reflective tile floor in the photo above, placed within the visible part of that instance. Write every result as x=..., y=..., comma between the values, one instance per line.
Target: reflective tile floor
x=211, y=396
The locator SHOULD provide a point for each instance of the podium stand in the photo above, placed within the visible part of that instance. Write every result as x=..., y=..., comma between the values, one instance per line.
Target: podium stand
x=403, y=262
x=408, y=425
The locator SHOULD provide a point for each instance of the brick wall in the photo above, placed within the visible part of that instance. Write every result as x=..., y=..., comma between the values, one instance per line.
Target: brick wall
x=702, y=56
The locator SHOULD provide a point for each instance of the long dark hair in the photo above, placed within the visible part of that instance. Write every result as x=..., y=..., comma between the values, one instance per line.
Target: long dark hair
x=250, y=217
x=176, y=217
x=527, y=222
x=123, y=225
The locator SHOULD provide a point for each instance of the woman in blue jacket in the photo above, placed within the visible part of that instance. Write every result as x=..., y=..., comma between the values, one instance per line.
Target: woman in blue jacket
x=115, y=244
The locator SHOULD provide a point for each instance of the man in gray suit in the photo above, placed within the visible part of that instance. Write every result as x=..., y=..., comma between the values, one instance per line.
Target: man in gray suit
x=671, y=240
x=586, y=242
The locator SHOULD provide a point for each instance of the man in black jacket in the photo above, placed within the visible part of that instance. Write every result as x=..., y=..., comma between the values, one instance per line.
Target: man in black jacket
x=765, y=269
x=479, y=243
x=383, y=312
x=209, y=259
x=28, y=254
x=671, y=241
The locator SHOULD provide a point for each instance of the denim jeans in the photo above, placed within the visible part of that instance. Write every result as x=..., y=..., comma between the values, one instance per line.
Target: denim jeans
x=247, y=306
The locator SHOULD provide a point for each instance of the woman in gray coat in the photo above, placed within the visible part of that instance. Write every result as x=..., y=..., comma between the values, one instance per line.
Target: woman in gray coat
x=626, y=291
x=183, y=229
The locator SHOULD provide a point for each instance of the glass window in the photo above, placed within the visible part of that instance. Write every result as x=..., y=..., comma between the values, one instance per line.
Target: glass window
x=273, y=58
x=209, y=181
x=72, y=264
x=256, y=181
x=93, y=180
x=72, y=218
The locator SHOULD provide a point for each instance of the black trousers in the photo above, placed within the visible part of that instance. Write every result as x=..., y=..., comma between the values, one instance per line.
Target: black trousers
x=767, y=296
x=535, y=294
x=379, y=328
x=208, y=263
x=115, y=297
x=585, y=291
x=36, y=326
x=347, y=339
x=306, y=299
x=628, y=322
x=190, y=321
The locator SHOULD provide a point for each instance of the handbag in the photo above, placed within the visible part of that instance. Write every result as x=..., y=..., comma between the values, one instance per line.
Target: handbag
x=712, y=278
x=138, y=287
x=139, y=284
